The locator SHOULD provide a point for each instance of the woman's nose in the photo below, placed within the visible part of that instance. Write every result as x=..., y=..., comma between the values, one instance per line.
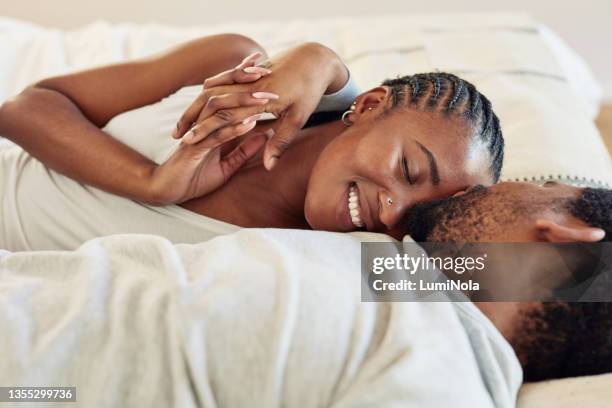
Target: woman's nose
x=392, y=209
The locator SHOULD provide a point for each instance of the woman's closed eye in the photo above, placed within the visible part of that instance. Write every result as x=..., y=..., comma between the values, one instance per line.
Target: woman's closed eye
x=406, y=170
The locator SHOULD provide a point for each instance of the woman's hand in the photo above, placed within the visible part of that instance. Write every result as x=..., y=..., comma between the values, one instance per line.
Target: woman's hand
x=198, y=168
x=301, y=76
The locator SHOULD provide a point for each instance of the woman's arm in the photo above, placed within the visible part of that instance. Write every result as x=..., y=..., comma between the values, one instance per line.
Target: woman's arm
x=103, y=93
x=57, y=119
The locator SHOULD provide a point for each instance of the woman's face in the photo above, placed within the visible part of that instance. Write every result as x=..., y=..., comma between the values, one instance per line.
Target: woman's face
x=385, y=163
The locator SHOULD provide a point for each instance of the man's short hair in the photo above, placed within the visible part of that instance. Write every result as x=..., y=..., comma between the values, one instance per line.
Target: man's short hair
x=560, y=340
x=594, y=207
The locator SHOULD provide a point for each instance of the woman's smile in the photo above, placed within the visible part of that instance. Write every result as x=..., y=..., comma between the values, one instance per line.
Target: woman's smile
x=354, y=210
x=354, y=207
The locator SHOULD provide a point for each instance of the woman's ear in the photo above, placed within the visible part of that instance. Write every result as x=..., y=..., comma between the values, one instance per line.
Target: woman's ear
x=375, y=100
x=552, y=232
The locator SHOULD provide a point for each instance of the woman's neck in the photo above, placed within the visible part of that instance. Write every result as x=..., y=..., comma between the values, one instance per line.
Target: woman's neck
x=289, y=179
x=255, y=197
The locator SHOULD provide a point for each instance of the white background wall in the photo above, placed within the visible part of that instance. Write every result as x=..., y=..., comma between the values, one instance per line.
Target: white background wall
x=585, y=24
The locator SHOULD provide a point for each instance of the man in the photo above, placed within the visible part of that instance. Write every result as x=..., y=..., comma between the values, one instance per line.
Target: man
x=551, y=340
x=259, y=318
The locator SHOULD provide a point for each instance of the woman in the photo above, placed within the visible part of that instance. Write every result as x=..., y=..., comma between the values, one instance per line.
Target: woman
x=411, y=140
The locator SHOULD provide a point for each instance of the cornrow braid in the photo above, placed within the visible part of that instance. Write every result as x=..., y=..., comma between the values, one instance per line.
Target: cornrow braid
x=436, y=90
x=449, y=94
x=458, y=89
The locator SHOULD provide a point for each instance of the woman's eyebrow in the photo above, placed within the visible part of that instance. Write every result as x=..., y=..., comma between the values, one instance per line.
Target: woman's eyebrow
x=433, y=165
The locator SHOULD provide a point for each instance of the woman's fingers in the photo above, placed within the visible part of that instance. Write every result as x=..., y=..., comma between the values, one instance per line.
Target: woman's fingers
x=206, y=106
x=234, y=100
x=224, y=135
x=251, y=60
x=238, y=157
x=227, y=110
x=235, y=76
x=243, y=73
x=289, y=124
x=190, y=115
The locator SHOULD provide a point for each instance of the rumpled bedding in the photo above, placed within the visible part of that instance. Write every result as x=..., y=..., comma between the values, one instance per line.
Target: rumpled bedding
x=258, y=318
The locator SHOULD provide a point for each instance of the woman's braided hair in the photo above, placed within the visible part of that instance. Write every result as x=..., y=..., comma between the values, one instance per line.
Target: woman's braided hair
x=448, y=94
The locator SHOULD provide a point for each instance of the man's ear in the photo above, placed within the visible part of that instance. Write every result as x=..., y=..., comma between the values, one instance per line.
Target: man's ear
x=373, y=101
x=552, y=232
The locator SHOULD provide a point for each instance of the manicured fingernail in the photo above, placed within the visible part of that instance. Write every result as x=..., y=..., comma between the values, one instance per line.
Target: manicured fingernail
x=269, y=133
x=189, y=136
x=599, y=234
x=257, y=70
x=176, y=133
x=265, y=95
x=272, y=162
x=253, y=55
x=253, y=118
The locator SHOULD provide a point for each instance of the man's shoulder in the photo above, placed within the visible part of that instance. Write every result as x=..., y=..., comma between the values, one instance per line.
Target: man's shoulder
x=499, y=366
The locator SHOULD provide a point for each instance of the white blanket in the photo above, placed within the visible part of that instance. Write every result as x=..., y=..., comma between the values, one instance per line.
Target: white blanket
x=259, y=318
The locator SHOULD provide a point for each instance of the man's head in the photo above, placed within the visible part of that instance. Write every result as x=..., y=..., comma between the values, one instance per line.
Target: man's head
x=554, y=339
x=515, y=212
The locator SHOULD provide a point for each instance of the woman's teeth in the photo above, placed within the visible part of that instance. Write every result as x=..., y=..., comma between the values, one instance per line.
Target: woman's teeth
x=353, y=205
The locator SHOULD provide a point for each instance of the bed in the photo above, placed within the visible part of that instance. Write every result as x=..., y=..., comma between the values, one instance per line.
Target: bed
x=544, y=94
